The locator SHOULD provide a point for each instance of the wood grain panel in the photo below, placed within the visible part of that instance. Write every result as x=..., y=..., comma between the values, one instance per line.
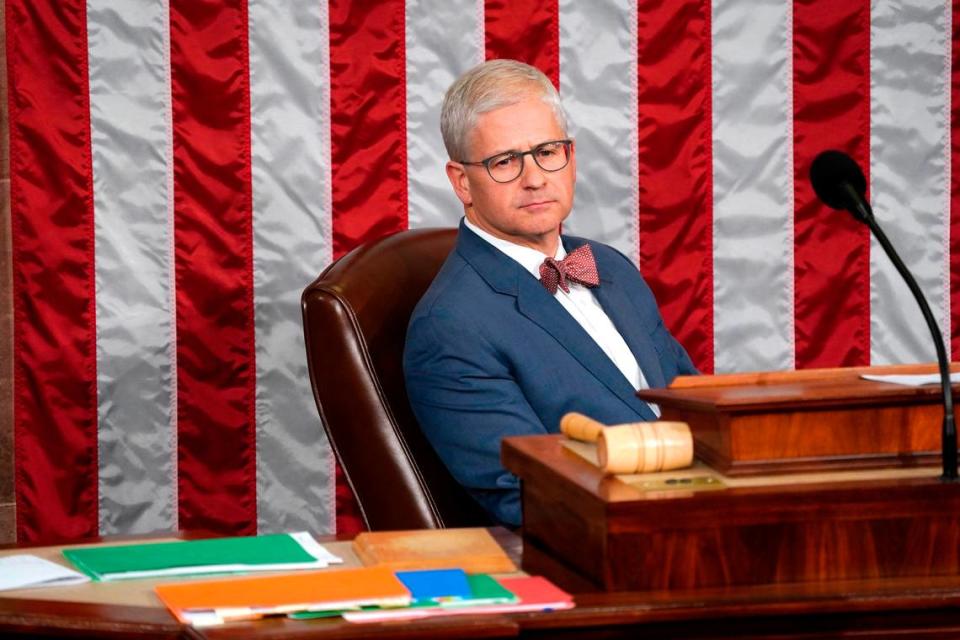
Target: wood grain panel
x=888, y=527
x=807, y=420
x=787, y=552
x=8, y=531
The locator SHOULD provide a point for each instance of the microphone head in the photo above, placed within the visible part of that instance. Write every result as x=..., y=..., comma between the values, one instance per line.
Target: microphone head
x=830, y=171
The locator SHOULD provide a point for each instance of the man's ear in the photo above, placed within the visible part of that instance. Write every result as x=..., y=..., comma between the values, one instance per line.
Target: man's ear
x=460, y=183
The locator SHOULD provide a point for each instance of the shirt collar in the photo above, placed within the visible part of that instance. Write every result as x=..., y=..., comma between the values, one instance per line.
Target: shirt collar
x=529, y=259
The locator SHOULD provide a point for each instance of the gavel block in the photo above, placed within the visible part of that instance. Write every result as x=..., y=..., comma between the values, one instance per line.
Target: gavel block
x=636, y=447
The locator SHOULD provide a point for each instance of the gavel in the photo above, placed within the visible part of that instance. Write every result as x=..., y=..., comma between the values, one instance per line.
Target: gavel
x=635, y=447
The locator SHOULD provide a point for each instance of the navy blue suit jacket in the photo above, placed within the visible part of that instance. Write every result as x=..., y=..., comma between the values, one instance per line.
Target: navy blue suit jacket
x=490, y=353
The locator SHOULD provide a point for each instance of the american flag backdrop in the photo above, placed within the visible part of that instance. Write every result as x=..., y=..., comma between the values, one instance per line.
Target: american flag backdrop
x=182, y=169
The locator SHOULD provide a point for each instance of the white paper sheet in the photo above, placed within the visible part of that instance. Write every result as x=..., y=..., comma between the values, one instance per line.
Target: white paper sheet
x=26, y=571
x=916, y=380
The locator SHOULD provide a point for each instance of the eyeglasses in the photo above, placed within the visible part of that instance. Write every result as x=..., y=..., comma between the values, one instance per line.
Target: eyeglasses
x=507, y=167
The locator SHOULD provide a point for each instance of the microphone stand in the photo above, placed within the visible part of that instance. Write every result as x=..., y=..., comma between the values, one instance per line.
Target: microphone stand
x=948, y=434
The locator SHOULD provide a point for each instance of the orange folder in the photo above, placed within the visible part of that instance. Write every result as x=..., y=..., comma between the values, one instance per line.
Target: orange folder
x=247, y=597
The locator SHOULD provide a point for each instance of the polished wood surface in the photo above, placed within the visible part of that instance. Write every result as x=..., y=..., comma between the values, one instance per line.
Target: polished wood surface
x=615, y=536
x=775, y=377
x=785, y=422
x=872, y=608
x=32, y=618
x=868, y=609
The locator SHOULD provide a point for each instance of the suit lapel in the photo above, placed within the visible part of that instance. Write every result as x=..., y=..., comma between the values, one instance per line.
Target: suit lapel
x=543, y=309
x=626, y=319
x=506, y=276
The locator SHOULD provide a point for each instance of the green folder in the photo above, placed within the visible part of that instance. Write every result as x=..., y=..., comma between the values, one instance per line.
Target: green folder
x=193, y=557
x=485, y=590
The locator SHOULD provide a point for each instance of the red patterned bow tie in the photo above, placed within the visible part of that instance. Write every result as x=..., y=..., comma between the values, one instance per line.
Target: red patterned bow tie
x=579, y=266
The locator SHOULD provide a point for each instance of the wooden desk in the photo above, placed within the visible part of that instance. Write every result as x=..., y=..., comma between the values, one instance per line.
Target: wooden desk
x=615, y=535
x=130, y=609
x=807, y=420
x=879, y=609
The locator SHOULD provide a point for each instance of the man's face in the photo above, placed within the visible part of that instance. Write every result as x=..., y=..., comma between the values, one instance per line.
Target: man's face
x=527, y=211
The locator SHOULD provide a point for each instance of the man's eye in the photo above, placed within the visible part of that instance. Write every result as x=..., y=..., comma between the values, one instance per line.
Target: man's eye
x=502, y=161
x=548, y=151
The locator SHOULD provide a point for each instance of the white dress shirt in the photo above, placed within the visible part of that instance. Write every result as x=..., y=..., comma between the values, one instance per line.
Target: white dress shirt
x=581, y=304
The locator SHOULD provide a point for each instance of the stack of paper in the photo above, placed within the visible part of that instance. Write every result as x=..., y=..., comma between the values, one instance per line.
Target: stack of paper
x=434, y=591
x=370, y=594
x=501, y=595
x=198, y=557
x=26, y=571
x=211, y=602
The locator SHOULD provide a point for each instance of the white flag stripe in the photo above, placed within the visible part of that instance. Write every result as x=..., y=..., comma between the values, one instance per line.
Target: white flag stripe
x=598, y=85
x=752, y=186
x=291, y=173
x=444, y=38
x=171, y=271
x=129, y=102
x=909, y=140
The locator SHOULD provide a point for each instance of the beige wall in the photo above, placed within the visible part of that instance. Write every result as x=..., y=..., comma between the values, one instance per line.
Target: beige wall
x=6, y=311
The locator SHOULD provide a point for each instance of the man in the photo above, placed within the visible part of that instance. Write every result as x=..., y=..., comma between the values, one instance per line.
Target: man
x=510, y=336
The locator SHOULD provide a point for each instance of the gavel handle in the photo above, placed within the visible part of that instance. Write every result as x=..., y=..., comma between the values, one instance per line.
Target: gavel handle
x=580, y=427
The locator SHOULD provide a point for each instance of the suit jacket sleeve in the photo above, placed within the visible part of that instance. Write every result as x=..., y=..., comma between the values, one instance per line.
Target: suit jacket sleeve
x=677, y=354
x=466, y=400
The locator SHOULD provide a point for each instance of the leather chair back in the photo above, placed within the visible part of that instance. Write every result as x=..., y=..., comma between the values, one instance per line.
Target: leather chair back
x=355, y=319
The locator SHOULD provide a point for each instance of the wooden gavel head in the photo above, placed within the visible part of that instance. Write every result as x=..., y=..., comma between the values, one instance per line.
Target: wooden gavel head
x=636, y=447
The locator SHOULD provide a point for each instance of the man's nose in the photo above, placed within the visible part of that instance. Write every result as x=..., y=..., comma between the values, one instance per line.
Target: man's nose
x=532, y=176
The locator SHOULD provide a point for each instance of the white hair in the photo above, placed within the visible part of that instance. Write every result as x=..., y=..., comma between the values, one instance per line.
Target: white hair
x=486, y=87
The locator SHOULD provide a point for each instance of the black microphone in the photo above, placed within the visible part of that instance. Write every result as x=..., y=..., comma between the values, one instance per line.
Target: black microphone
x=839, y=183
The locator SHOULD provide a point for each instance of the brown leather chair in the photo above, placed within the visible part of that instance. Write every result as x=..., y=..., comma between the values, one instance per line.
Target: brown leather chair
x=355, y=319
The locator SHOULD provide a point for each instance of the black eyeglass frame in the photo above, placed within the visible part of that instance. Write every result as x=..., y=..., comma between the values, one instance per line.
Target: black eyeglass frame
x=485, y=163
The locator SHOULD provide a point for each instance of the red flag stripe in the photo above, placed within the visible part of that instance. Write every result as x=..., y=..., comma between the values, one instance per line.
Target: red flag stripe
x=525, y=30
x=213, y=255
x=368, y=143
x=368, y=122
x=955, y=183
x=55, y=402
x=676, y=168
x=831, y=251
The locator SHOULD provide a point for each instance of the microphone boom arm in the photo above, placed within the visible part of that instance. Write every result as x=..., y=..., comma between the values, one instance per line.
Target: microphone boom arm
x=949, y=432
